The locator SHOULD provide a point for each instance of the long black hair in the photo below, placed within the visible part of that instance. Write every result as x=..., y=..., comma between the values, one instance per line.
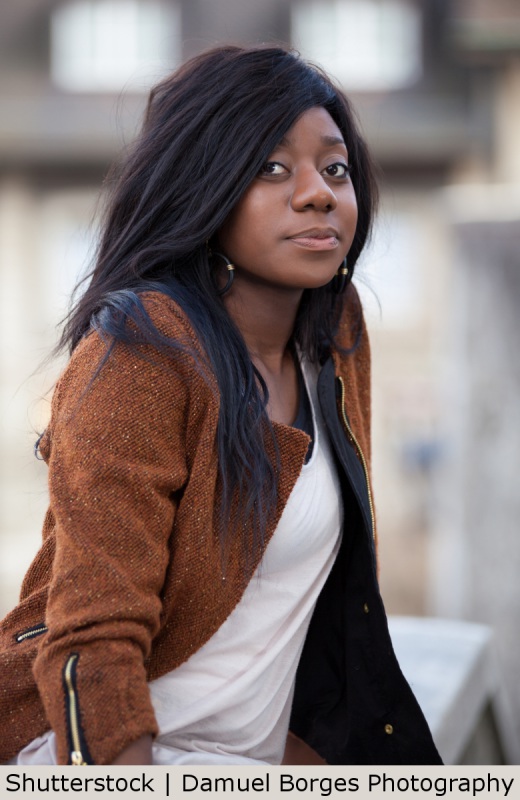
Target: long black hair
x=208, y=129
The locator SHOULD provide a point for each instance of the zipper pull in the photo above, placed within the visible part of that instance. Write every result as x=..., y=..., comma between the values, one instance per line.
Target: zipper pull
x=77, y=758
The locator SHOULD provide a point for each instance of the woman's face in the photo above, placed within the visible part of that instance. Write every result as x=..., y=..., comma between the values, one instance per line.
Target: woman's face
x=296, y=222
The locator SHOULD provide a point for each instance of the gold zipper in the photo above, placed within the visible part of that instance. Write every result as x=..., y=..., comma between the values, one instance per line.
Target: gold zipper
x=76, y=755
x=361, y=455
x=21, y=637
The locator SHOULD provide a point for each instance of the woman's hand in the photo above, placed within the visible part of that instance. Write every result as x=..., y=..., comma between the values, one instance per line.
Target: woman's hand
x=297, y=752
x=139, y=752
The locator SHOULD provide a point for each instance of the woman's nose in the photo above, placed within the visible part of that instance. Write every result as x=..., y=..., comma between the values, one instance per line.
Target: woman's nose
x=311, y=190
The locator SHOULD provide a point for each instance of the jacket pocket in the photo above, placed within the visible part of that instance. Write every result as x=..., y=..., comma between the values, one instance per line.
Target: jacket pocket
x=31, y=633
x=79, y=755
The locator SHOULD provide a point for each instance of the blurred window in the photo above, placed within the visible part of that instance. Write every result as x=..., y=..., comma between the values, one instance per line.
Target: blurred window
x=108, y=45
x=367, y=45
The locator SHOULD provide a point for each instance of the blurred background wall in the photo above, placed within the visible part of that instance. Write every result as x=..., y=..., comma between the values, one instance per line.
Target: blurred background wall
x=437, y=87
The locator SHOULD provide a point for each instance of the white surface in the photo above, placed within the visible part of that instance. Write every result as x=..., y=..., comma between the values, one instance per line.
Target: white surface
x=451, y=669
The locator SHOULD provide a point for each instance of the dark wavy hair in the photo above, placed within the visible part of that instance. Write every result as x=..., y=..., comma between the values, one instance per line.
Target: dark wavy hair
x=208, y=129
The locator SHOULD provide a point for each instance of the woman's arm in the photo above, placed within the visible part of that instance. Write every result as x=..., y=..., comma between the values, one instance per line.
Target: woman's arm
x=139, y=753
x=116, y=465
x=298, y=753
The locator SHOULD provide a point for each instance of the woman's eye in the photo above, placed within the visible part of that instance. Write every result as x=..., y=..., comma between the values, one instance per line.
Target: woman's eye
x=273, y=168
x=338, y=170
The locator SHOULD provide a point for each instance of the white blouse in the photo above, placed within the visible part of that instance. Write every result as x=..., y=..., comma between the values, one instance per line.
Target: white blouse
x=230, y=702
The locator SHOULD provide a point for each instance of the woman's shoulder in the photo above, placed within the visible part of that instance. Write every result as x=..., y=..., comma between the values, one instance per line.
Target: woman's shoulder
x=352, y=334
x=101, y=364
x=153, y=310
x=105, y=380
x=167, y=315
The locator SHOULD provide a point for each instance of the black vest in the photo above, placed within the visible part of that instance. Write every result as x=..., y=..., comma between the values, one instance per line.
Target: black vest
x=352, y=703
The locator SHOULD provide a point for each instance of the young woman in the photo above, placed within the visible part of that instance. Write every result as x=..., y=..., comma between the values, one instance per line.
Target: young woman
x=207, y=578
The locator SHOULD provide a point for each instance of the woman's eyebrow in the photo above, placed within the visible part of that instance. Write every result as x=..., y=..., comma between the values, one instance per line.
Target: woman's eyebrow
x=329, y=140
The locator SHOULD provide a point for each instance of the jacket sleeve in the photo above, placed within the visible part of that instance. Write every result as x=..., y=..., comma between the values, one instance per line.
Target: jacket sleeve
x=116, y=466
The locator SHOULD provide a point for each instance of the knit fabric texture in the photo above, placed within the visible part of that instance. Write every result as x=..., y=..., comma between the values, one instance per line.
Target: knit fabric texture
x=129, y=578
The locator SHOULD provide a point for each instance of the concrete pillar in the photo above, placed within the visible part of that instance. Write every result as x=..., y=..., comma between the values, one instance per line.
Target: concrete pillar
x=476, y=549
x=22, y=479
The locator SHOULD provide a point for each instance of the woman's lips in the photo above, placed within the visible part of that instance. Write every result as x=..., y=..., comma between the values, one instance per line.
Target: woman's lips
x=316, y=242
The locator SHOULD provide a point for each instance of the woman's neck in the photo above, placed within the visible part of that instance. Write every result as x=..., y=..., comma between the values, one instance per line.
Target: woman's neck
x=265, y=317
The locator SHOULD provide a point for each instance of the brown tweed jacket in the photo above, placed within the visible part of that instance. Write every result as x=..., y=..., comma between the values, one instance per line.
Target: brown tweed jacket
x=128, y=581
